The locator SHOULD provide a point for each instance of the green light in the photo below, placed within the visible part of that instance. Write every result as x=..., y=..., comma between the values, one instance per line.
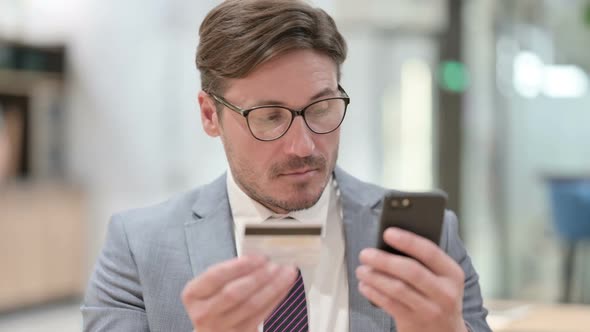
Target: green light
x=453, y=76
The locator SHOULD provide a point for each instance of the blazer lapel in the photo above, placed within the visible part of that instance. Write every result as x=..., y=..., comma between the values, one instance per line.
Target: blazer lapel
x=361, y=223
x=209, y=231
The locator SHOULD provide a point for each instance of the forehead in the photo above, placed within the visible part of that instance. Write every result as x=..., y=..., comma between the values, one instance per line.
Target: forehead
x=293, y=78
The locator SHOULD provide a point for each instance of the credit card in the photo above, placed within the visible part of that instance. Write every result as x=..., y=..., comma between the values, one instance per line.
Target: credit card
x=284, y=242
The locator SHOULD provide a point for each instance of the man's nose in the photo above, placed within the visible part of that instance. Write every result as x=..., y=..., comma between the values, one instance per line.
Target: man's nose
x=299, y=138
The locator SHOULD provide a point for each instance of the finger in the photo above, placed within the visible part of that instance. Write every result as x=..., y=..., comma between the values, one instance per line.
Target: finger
x=203, y=311
x=393, y=307
x=206, y=314
x=403, y=268
x=239, y=290
x=424, y=251
x=393, y=288
x=212, y=280
x=443, y=291
x=259, y=306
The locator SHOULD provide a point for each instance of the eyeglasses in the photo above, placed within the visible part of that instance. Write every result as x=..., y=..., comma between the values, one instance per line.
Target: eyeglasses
x=271, y=122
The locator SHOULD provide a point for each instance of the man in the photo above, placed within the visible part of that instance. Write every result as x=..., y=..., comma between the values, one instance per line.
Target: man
x=270, y=73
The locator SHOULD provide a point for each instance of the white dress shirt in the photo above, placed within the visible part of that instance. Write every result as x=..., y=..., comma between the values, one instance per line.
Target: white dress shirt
x=326, y=285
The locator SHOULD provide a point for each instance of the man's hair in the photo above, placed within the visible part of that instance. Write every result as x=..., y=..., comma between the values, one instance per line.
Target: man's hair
x=239, y=35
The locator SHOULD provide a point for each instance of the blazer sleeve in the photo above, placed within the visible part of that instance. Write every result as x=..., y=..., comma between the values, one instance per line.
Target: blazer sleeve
x=474, y=313
x=114, y=299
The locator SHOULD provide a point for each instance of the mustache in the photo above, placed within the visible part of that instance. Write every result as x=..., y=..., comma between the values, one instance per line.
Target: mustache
x=294, y=163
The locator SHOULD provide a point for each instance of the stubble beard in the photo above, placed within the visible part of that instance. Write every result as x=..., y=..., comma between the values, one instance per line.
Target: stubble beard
x=246, y=180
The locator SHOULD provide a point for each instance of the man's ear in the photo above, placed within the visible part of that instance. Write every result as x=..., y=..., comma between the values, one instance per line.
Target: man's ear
x=209, y=118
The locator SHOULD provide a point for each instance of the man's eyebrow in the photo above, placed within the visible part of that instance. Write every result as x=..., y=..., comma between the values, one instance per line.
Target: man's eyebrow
x=323, y=93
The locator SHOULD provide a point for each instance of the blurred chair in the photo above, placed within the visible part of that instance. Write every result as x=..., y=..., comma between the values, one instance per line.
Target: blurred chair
x=570, y=202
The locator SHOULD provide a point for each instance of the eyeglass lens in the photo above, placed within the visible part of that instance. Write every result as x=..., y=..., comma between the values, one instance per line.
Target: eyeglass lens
x=321, y=117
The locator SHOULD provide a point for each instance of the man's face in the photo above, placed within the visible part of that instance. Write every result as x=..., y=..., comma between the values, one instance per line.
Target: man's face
x=291, y=172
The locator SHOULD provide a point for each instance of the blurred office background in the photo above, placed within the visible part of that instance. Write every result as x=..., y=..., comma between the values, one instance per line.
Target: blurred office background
x=488, y=100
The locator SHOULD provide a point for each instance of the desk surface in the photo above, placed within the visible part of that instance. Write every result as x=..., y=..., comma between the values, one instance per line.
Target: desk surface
x=512, y=316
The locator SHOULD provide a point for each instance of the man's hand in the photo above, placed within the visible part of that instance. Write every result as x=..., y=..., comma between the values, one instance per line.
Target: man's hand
x=236, y=295
x=423, y=293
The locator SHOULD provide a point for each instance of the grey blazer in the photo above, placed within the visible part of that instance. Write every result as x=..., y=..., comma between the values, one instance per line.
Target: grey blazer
x=151, y=253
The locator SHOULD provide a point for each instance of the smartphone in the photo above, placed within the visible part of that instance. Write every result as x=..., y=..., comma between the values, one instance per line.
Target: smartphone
x=421, y=213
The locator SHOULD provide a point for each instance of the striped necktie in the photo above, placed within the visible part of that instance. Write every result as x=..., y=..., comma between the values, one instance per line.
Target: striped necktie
x=291, y=314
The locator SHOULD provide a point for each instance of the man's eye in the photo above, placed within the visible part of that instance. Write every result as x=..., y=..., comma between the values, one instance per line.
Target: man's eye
x=270, y=115
x=274, y=116
x=318, y=111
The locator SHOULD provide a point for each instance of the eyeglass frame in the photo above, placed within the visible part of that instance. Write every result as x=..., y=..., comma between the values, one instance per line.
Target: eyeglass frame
x=294, y=113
